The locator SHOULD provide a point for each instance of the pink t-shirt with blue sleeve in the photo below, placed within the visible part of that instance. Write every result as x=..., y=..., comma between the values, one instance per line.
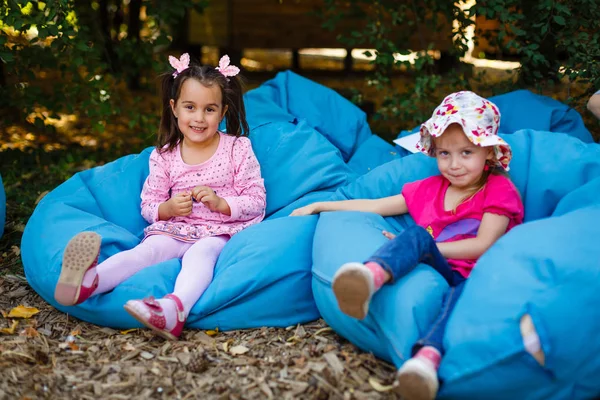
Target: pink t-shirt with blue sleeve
x=425, y=202
x=233, y=172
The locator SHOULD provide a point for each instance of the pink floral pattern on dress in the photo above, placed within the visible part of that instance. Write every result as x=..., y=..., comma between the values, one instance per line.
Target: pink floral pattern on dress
x=479, y=118
x=232, y=172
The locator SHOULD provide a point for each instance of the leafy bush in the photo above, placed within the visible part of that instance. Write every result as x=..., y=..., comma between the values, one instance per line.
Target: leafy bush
x=391, y=27
x=553, y=40
x=97, y=47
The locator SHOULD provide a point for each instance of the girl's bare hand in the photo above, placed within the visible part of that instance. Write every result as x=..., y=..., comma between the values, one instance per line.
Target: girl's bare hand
x=388, y=235
x=306, y=210
x=180, y=205
x=209, y=198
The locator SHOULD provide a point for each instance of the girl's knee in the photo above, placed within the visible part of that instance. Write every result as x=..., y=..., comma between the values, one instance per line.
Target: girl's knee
x=212, y=242
x=209, y=246
x=162, y=248
x=417, y=231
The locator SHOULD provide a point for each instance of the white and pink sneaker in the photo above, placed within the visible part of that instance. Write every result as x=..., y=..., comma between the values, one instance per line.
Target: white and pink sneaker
x=417, y=379
x=353, y=285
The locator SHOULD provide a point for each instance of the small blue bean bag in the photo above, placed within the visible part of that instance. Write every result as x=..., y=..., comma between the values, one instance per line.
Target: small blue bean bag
x=263, y=275
x=2, y=207
x=548, y=268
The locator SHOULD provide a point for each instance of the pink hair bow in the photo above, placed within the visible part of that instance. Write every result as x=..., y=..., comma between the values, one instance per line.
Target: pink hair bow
x=225, y=68
x=180, y=64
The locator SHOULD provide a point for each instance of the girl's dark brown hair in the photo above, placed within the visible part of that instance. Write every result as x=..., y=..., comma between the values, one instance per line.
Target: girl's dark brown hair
x=169, y=134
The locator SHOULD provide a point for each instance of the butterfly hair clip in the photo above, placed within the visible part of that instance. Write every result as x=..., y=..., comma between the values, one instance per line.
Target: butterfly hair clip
x=180, y=64
x=226, y=69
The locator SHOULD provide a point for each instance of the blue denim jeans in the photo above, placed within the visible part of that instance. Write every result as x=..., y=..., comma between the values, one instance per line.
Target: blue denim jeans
x=402, y=254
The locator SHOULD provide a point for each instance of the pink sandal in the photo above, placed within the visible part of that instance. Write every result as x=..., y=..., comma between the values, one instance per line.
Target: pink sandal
x=157, y=321
x=81, y=255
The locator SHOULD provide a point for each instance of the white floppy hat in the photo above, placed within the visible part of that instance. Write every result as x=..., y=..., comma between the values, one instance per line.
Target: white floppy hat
x=479, y=119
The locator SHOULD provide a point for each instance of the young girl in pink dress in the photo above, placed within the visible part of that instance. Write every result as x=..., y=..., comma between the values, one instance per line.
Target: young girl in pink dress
x=204, y=186
x=459, y=214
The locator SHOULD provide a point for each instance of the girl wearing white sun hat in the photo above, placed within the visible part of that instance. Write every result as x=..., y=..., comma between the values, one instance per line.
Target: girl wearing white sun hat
x=459, y=214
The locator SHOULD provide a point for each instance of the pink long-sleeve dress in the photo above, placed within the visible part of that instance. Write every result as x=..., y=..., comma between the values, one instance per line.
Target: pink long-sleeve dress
x=233, y=172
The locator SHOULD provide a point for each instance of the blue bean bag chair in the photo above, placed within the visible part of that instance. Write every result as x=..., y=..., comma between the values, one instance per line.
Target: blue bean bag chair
x=263, y=276
x=2, y=207
x=548, y=268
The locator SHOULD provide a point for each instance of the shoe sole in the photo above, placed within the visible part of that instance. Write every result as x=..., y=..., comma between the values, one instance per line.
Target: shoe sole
x=164, y=334
x=413, y=385
x=80, y=254
x=352, y=291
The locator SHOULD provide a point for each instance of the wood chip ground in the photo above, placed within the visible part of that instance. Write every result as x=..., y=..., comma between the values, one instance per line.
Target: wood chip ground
x=54, y=356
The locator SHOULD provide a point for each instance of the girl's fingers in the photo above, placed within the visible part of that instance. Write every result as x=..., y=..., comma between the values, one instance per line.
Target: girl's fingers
x=388, y=234
x=207, y=198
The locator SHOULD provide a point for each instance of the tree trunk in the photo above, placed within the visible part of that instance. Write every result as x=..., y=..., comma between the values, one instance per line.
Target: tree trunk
x=133, y=33
x=2, y=75
x=109, y=52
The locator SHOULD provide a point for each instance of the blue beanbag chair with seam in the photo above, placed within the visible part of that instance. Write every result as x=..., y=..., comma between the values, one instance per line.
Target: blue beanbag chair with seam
x=253, y=274
x=548, y=268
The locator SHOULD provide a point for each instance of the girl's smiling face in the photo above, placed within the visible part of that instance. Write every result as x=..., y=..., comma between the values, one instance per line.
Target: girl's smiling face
x=199, y=110
x=459, y=160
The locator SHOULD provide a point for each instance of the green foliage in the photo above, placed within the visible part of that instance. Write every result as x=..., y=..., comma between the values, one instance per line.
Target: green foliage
x=72, y=56
x=553, y=39
x=392, y=27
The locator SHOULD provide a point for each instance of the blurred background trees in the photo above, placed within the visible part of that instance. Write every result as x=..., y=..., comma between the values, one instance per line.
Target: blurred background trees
x=79, y=57
x=66, y=56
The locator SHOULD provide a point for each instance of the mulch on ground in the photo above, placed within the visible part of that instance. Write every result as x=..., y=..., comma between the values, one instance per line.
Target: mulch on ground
x=52, y=355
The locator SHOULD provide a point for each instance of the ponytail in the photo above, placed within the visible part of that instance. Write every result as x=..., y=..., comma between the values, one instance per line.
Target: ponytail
x=168, y=131
x=235, y=119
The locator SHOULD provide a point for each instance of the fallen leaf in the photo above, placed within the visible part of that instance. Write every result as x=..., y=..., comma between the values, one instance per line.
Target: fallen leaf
x=204, y=338
x=41, y=196
x=227, y=344
x=16, y=250
x=129, y=347
x=237, y=350
x=10, y=330
x=334, y=362
x=299, y=362
x=23, y=312
x=73, y=346
x=213, y=333
x=323, y=330
x=378, y=386
x=29, y=332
